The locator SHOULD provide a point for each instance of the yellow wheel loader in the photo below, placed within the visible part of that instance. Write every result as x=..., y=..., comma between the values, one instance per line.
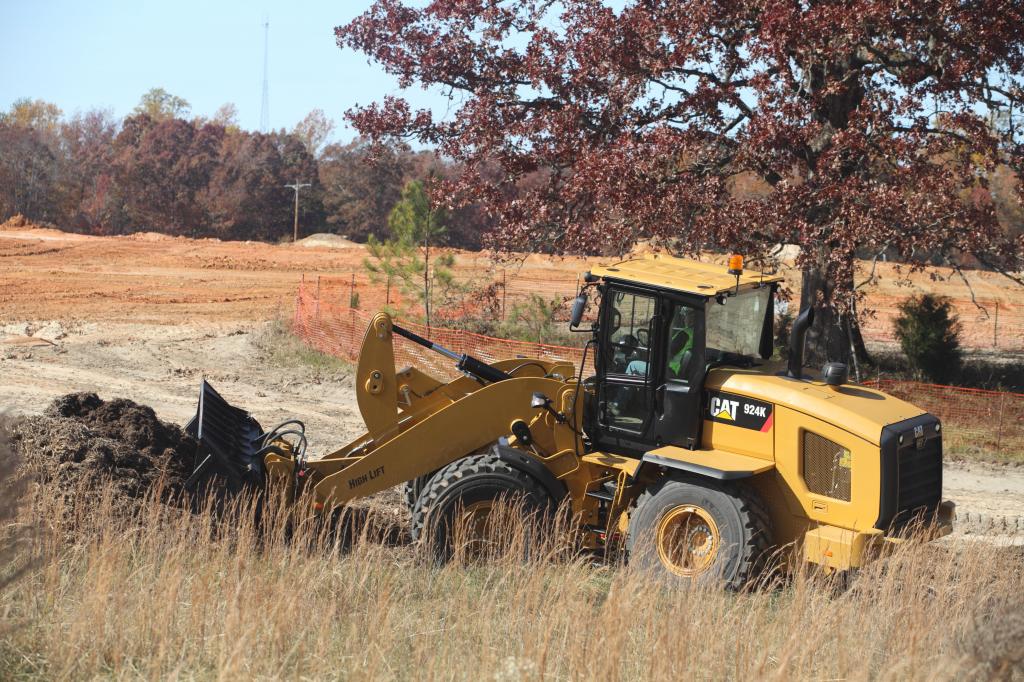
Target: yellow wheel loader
x=684, y=441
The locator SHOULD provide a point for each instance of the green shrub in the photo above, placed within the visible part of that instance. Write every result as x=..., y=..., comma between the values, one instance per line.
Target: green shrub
x=534, y=320
x=928, y=332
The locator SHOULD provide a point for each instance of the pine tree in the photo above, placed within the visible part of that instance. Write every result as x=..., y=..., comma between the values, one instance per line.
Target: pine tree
x=410, y=257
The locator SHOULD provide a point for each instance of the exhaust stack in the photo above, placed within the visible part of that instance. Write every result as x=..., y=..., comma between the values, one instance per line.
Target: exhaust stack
x=796, y=342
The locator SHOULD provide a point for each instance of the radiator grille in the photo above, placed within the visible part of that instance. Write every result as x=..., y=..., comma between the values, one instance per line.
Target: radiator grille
x=827, y=467
x=920, y=476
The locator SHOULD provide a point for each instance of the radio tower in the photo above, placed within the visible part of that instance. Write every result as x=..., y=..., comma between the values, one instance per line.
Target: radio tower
x=265, y=106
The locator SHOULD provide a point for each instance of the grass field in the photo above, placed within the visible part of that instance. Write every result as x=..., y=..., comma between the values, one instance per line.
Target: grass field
x=156, y=593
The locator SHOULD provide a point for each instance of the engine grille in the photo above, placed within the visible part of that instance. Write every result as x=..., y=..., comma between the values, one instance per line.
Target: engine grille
x=911, y=482
x=826, y=466
x=920, y=476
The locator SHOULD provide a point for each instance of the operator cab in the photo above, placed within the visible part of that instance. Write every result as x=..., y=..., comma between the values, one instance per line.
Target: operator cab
x=662, y=324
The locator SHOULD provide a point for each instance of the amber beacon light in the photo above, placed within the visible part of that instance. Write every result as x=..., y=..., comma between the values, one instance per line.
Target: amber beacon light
x=736, y=264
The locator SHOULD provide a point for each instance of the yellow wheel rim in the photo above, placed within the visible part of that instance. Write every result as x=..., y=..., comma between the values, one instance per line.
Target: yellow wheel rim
x=688, y=540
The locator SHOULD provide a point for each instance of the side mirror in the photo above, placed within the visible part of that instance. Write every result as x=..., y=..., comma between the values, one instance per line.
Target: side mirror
x=578, y=307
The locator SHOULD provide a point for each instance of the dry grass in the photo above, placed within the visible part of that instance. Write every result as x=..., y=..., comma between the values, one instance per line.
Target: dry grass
x=278, y=346
x=17, y=530
x=165, y=594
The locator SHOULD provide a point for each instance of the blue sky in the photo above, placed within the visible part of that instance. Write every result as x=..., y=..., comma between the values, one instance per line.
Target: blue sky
x=85, y=54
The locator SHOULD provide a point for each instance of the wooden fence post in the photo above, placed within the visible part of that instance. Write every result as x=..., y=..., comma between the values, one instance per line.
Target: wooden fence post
x=298, y=301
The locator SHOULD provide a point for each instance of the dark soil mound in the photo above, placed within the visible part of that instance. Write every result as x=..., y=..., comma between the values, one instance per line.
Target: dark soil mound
x=82, y=442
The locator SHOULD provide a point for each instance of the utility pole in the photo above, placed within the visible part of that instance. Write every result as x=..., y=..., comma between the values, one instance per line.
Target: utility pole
x=297, y=186
x=265, y=104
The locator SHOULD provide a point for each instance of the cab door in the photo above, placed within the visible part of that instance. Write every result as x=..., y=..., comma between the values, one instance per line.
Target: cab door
x=678, y=396
x=627, y=369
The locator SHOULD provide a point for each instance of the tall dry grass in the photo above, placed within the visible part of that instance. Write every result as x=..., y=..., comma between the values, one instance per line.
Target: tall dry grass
x=164, y=594
x=17, y=530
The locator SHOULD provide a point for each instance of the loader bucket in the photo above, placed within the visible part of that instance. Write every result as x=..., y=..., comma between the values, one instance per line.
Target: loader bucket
x=229, y=443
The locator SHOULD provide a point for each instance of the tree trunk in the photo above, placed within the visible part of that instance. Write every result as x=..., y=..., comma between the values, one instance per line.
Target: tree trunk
x=426, y=280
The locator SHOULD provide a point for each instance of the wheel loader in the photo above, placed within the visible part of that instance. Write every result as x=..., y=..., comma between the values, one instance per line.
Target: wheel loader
x=680, y=441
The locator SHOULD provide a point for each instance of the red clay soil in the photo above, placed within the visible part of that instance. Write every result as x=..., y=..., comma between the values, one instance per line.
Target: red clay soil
x=46, y=274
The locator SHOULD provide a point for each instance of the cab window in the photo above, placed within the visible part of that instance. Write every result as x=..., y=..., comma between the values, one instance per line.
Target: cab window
x=734, y=325
x=628, y=348
x=627, y=362
x=682, y=329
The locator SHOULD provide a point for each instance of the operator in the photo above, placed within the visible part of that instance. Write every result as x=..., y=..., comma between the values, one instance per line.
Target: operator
x=680, y=343
x=679, y=347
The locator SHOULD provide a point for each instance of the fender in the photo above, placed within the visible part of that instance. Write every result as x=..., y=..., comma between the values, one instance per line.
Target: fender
x=720, y=465
x=517, y=459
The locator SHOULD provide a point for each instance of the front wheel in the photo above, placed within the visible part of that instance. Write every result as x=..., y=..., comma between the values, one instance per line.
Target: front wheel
x=699, y=531
x=454, y=512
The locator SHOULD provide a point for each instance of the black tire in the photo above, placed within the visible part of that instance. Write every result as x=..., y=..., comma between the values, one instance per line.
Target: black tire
x=411, y=490
x=730, y=524
x=471, y=480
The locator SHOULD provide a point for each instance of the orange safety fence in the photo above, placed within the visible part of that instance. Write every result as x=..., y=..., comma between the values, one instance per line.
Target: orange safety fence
x=338, y=330
x=987, y=324
x=974, y=419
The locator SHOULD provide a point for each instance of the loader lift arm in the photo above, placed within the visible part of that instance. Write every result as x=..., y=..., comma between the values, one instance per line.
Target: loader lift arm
x=460, y=428
x=466, y=363
x=415, y=423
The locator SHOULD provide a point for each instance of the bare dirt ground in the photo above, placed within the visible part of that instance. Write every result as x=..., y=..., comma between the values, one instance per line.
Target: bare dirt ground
x=148, y=277
x=145, y=317
x=161, y=366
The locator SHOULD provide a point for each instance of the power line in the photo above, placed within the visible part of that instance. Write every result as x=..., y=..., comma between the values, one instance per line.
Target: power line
x=265, y=106
x=297, y=186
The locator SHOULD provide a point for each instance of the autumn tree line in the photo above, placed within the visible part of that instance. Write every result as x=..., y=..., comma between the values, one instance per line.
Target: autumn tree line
x=160, y=169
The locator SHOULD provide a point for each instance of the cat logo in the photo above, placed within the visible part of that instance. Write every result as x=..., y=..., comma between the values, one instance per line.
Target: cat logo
x=737, y=410
x=722, y=408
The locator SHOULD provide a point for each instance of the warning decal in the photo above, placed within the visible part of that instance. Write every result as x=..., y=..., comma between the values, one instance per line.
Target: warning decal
x=746, y=413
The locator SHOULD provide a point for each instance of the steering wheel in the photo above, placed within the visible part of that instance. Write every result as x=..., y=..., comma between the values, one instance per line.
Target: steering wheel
x=629, y=344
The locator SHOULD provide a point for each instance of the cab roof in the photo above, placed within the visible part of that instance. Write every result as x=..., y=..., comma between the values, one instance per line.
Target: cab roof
x=681, y=274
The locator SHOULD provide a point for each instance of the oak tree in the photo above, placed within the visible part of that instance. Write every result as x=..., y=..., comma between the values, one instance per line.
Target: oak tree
x=161, y=105
x=314, y=130
x=866, y=124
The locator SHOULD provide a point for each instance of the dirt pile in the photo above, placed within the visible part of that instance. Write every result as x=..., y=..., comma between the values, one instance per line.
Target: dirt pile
x=82, y=443
x=328, y=240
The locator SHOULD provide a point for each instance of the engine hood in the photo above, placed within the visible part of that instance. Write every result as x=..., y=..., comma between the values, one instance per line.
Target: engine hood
x=860, y=410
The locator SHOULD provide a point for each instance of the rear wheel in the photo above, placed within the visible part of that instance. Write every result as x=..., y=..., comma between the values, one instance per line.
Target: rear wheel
x=699, y=531
x=453, y=513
